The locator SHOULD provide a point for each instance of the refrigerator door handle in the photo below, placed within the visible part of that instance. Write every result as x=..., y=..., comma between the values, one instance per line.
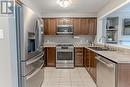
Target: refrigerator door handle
x=34, y=73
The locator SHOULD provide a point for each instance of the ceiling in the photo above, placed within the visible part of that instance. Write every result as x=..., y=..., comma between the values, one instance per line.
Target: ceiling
x=125, y=8
x=48, y=7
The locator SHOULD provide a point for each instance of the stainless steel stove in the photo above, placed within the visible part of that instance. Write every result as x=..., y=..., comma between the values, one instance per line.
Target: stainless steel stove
x=65, y=56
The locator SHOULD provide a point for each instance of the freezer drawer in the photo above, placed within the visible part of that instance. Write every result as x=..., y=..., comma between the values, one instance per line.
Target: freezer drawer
x=31, y=65
x=33, y=80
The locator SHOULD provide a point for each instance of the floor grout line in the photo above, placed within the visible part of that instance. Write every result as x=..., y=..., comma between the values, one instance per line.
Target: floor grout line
x=66, y=78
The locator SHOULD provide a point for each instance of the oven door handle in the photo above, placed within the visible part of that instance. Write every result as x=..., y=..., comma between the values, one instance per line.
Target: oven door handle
x=34, y=73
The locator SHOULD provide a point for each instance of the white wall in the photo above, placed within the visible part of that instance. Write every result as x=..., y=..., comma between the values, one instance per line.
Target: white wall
x=112, y=6
x=69, y=15
x=34, y=8
x=8, y=62
x=8, y=52
x=5, y=59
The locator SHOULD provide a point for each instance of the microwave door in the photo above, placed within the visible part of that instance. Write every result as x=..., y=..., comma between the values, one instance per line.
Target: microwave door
x=64, y=30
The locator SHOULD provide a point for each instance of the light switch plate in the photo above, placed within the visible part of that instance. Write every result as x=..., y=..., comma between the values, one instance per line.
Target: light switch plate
x=1, y=34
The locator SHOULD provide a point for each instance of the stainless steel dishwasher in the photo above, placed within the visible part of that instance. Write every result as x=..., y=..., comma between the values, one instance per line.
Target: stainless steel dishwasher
x=105, y=72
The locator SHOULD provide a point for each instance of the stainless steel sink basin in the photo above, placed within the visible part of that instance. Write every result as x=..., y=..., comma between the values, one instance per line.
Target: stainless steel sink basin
x=100, y=48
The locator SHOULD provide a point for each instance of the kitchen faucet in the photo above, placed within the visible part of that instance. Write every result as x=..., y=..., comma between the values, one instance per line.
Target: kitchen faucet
x=104, y=41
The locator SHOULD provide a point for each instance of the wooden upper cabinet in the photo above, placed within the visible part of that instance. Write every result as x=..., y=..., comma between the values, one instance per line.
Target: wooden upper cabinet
x=65, y=21
x=92, y=26
x=45, y=26
x=50, y=26
x=77, y=26
x=81, y=26
x=84, y=26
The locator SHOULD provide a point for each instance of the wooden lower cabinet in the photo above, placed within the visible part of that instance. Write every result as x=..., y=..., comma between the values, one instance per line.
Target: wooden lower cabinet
x=86, y=59
x=122, y=70
x=92, y=66
x=123, y=75
x=79, y=56
x=51, y=56
x=45, y=56
x=90, y=62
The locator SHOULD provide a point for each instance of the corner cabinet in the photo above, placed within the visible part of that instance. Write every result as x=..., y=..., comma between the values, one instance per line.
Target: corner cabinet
x=92, y=26
x=85, y=26
x=90, y=62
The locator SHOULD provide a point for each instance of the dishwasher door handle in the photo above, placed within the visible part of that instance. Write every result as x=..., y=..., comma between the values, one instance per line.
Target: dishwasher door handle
x=105, y=63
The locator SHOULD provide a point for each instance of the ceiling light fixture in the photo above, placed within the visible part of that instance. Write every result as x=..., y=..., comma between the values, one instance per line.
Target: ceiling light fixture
x=64, y=3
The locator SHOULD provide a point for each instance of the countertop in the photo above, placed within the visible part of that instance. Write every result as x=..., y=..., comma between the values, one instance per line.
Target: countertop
x=54, y=45
x=115, y=56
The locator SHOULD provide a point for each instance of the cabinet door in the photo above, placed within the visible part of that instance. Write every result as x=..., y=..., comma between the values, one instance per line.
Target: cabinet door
x=93, y=64
x=77, y=26
x=86, y=59
x=78, y=56
x=45, y=56
x=84, y=26
x=50, y=26
x=92, y=26
x=46, y=26
x=51, y=56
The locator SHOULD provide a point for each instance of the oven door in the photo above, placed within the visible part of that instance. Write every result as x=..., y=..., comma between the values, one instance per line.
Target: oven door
x=64, y=56
x=65, y=59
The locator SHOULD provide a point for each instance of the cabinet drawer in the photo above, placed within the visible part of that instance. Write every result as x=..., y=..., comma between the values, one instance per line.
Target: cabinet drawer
x=78, y=54
x=78, y=50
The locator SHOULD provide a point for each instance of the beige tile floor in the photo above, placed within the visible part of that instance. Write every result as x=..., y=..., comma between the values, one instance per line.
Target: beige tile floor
x=77, y=77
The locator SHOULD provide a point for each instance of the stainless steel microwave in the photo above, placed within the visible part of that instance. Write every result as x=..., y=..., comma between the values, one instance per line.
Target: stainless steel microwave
x=64, y=29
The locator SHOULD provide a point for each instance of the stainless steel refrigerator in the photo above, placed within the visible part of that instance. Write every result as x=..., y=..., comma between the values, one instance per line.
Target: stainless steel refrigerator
x=29, y=47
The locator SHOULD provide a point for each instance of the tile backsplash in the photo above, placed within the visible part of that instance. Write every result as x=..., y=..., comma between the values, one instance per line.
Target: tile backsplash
x=82, y=39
